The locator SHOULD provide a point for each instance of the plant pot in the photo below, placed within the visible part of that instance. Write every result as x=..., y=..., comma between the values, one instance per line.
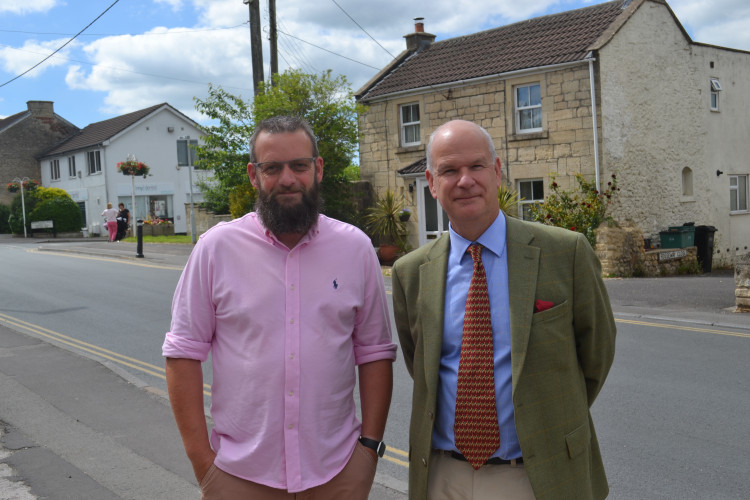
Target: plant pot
x=387, y=254
x=404, y=216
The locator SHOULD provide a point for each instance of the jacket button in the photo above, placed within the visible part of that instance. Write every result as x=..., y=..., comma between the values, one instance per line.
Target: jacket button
x=424, y=462
x=429, y=414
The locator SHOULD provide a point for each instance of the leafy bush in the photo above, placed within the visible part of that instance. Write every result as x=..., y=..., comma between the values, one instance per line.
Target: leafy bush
x=64, y=211
x=509, y=200
x=582, y=212
x=16, y=213
x=242, y=199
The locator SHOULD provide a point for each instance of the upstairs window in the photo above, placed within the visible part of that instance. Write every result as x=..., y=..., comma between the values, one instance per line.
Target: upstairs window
x=71, y=166
x=54, y=170
x=410, y=125
x=715, y=89
x=738, y=193
x=186, y=156
x=530, y=192
x=528, y=108
x=95, y=162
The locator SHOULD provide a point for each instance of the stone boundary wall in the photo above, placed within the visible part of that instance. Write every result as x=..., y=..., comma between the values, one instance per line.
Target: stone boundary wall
x=742, y=283
x=621, y=252
x=204, y=220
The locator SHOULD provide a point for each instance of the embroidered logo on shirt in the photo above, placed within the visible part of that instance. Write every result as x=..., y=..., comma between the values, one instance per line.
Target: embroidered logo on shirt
x=335, y=285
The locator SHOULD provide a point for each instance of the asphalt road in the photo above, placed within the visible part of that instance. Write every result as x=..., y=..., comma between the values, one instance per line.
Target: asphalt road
x=646, y=412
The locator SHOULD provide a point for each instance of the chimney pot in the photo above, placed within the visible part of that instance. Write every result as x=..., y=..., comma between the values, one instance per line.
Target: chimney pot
x=419, y=25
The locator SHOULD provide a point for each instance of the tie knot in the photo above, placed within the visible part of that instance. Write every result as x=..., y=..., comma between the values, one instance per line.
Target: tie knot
x=475, y=249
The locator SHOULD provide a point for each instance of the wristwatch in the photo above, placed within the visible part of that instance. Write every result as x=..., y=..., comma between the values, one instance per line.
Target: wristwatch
x=378, y=446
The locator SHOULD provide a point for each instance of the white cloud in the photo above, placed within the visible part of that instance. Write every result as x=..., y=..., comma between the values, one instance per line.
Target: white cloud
x=175, y=4
x=719, y=22
x=26, y=6
x=18, y=60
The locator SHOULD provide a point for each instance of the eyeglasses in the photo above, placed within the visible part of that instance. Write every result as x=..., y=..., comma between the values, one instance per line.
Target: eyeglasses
x=274, y=168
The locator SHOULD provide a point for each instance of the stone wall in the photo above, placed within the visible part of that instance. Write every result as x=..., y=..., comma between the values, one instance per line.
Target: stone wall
x=204, y=220
x=742, y=281
x=24, y=140
x=621, y=252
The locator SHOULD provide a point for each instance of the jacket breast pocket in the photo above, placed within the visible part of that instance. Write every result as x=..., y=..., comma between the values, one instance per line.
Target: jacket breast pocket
x=551, y=314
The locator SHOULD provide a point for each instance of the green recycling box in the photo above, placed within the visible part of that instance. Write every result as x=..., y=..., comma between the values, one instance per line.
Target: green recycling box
x=678, y=237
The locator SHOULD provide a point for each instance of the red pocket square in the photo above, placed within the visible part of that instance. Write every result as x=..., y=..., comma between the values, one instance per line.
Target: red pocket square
x=542, y=305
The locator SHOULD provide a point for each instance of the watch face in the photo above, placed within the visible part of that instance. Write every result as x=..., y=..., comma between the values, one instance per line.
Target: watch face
x=381, y=449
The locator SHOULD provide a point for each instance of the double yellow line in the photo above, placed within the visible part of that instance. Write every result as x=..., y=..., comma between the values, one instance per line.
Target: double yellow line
x=156, y=371
x=79, y=345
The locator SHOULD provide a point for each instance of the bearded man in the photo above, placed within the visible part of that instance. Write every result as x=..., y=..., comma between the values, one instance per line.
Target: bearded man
x=286, y=320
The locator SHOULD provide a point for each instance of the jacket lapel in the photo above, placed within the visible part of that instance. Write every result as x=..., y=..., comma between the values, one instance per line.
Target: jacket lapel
x=431, y=304
x=523, y=266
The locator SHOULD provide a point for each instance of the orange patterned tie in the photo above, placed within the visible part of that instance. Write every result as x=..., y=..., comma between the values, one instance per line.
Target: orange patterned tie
x=477, y=435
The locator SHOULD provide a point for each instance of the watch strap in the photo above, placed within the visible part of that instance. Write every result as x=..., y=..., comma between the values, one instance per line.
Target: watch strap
x=378, y=446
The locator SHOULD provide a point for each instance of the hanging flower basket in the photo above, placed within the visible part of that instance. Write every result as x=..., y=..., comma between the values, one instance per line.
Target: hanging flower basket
x=131, y=167
x=13, y=187
x=30, y=184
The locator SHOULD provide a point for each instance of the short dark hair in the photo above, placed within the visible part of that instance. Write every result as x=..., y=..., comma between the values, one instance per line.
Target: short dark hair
x=281, y=124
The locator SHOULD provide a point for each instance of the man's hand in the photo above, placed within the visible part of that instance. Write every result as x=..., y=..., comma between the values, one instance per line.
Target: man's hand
x=202, y=463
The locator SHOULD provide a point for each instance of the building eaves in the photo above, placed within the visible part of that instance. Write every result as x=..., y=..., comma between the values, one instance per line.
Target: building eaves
x=543, y=41
x=97, y=133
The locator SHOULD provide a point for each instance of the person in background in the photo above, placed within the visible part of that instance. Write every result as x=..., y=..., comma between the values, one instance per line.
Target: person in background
x=508, y=333
x=286, y=320
x=110, y=218
x=123, y=221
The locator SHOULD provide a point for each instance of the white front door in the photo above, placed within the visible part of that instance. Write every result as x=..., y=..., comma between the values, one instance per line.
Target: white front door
x=433, y=221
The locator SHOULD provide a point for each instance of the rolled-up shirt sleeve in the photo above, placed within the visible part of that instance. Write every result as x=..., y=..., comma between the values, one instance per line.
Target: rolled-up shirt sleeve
x=193, y=313
x=373, y=340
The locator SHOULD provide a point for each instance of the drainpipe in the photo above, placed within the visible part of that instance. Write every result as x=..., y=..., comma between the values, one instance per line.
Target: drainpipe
x=590, y=58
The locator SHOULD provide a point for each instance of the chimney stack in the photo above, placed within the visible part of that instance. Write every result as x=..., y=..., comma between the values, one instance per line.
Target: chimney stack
x=419, y=39
x=44, y=109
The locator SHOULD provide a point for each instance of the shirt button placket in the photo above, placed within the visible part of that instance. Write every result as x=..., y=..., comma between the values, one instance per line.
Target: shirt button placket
x=292, y=370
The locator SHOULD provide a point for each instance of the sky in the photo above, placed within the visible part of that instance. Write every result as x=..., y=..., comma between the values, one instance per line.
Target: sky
x=132, y=54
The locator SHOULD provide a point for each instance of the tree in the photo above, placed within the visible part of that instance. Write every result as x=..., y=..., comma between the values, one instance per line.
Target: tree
x=324, y=101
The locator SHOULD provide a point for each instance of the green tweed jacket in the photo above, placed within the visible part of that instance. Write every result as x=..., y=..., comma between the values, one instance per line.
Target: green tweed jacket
x=560, y=357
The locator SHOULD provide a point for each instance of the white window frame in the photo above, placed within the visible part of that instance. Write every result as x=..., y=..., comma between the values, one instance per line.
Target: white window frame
x=71, y=166
x=738, y=193
x=409, y=124
x=54, y=170
x=715, y=89
x=525, y=204
x=94, y=162
x=532, y=107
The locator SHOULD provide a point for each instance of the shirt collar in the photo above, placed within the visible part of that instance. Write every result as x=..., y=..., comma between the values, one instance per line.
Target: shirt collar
x=271, y=238
x=493, y=239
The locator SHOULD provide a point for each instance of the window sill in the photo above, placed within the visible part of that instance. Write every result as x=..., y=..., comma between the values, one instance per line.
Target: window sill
x=544, y=134
x=410, y=149
x=739, y=212
x=687, y=199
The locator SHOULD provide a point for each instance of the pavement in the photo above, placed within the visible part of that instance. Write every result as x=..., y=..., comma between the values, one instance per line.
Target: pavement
x=74, y=426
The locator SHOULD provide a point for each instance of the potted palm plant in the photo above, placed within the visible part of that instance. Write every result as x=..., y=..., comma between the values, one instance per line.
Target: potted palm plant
x=383, y=221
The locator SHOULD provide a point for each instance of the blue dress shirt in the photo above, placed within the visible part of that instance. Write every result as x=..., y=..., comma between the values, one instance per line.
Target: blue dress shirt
x=460, y=271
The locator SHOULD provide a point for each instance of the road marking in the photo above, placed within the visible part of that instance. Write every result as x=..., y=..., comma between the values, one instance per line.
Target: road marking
x=156, y=371
x=685, y=328
x=73, y=255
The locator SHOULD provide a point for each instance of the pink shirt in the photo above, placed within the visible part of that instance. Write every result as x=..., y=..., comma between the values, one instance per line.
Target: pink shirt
x=285, y=330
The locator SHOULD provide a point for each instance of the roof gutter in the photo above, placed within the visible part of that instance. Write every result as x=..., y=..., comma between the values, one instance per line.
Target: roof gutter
x=590, y=58
x=471, y=81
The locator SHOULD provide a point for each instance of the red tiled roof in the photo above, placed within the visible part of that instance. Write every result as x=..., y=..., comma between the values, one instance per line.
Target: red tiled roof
x=542, y=41
x=97, y=133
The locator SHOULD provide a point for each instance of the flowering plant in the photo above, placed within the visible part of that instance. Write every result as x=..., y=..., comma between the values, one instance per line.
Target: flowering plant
x=580, y=211
x=13, y=187
x=132, y=167
x=156, y=221
x=30, y=184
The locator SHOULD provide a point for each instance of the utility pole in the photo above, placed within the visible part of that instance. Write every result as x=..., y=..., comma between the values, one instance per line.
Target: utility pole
x=256, y=43
x=273, y=36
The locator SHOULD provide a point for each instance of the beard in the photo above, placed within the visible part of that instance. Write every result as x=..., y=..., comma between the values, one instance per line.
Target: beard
x=284, y=219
